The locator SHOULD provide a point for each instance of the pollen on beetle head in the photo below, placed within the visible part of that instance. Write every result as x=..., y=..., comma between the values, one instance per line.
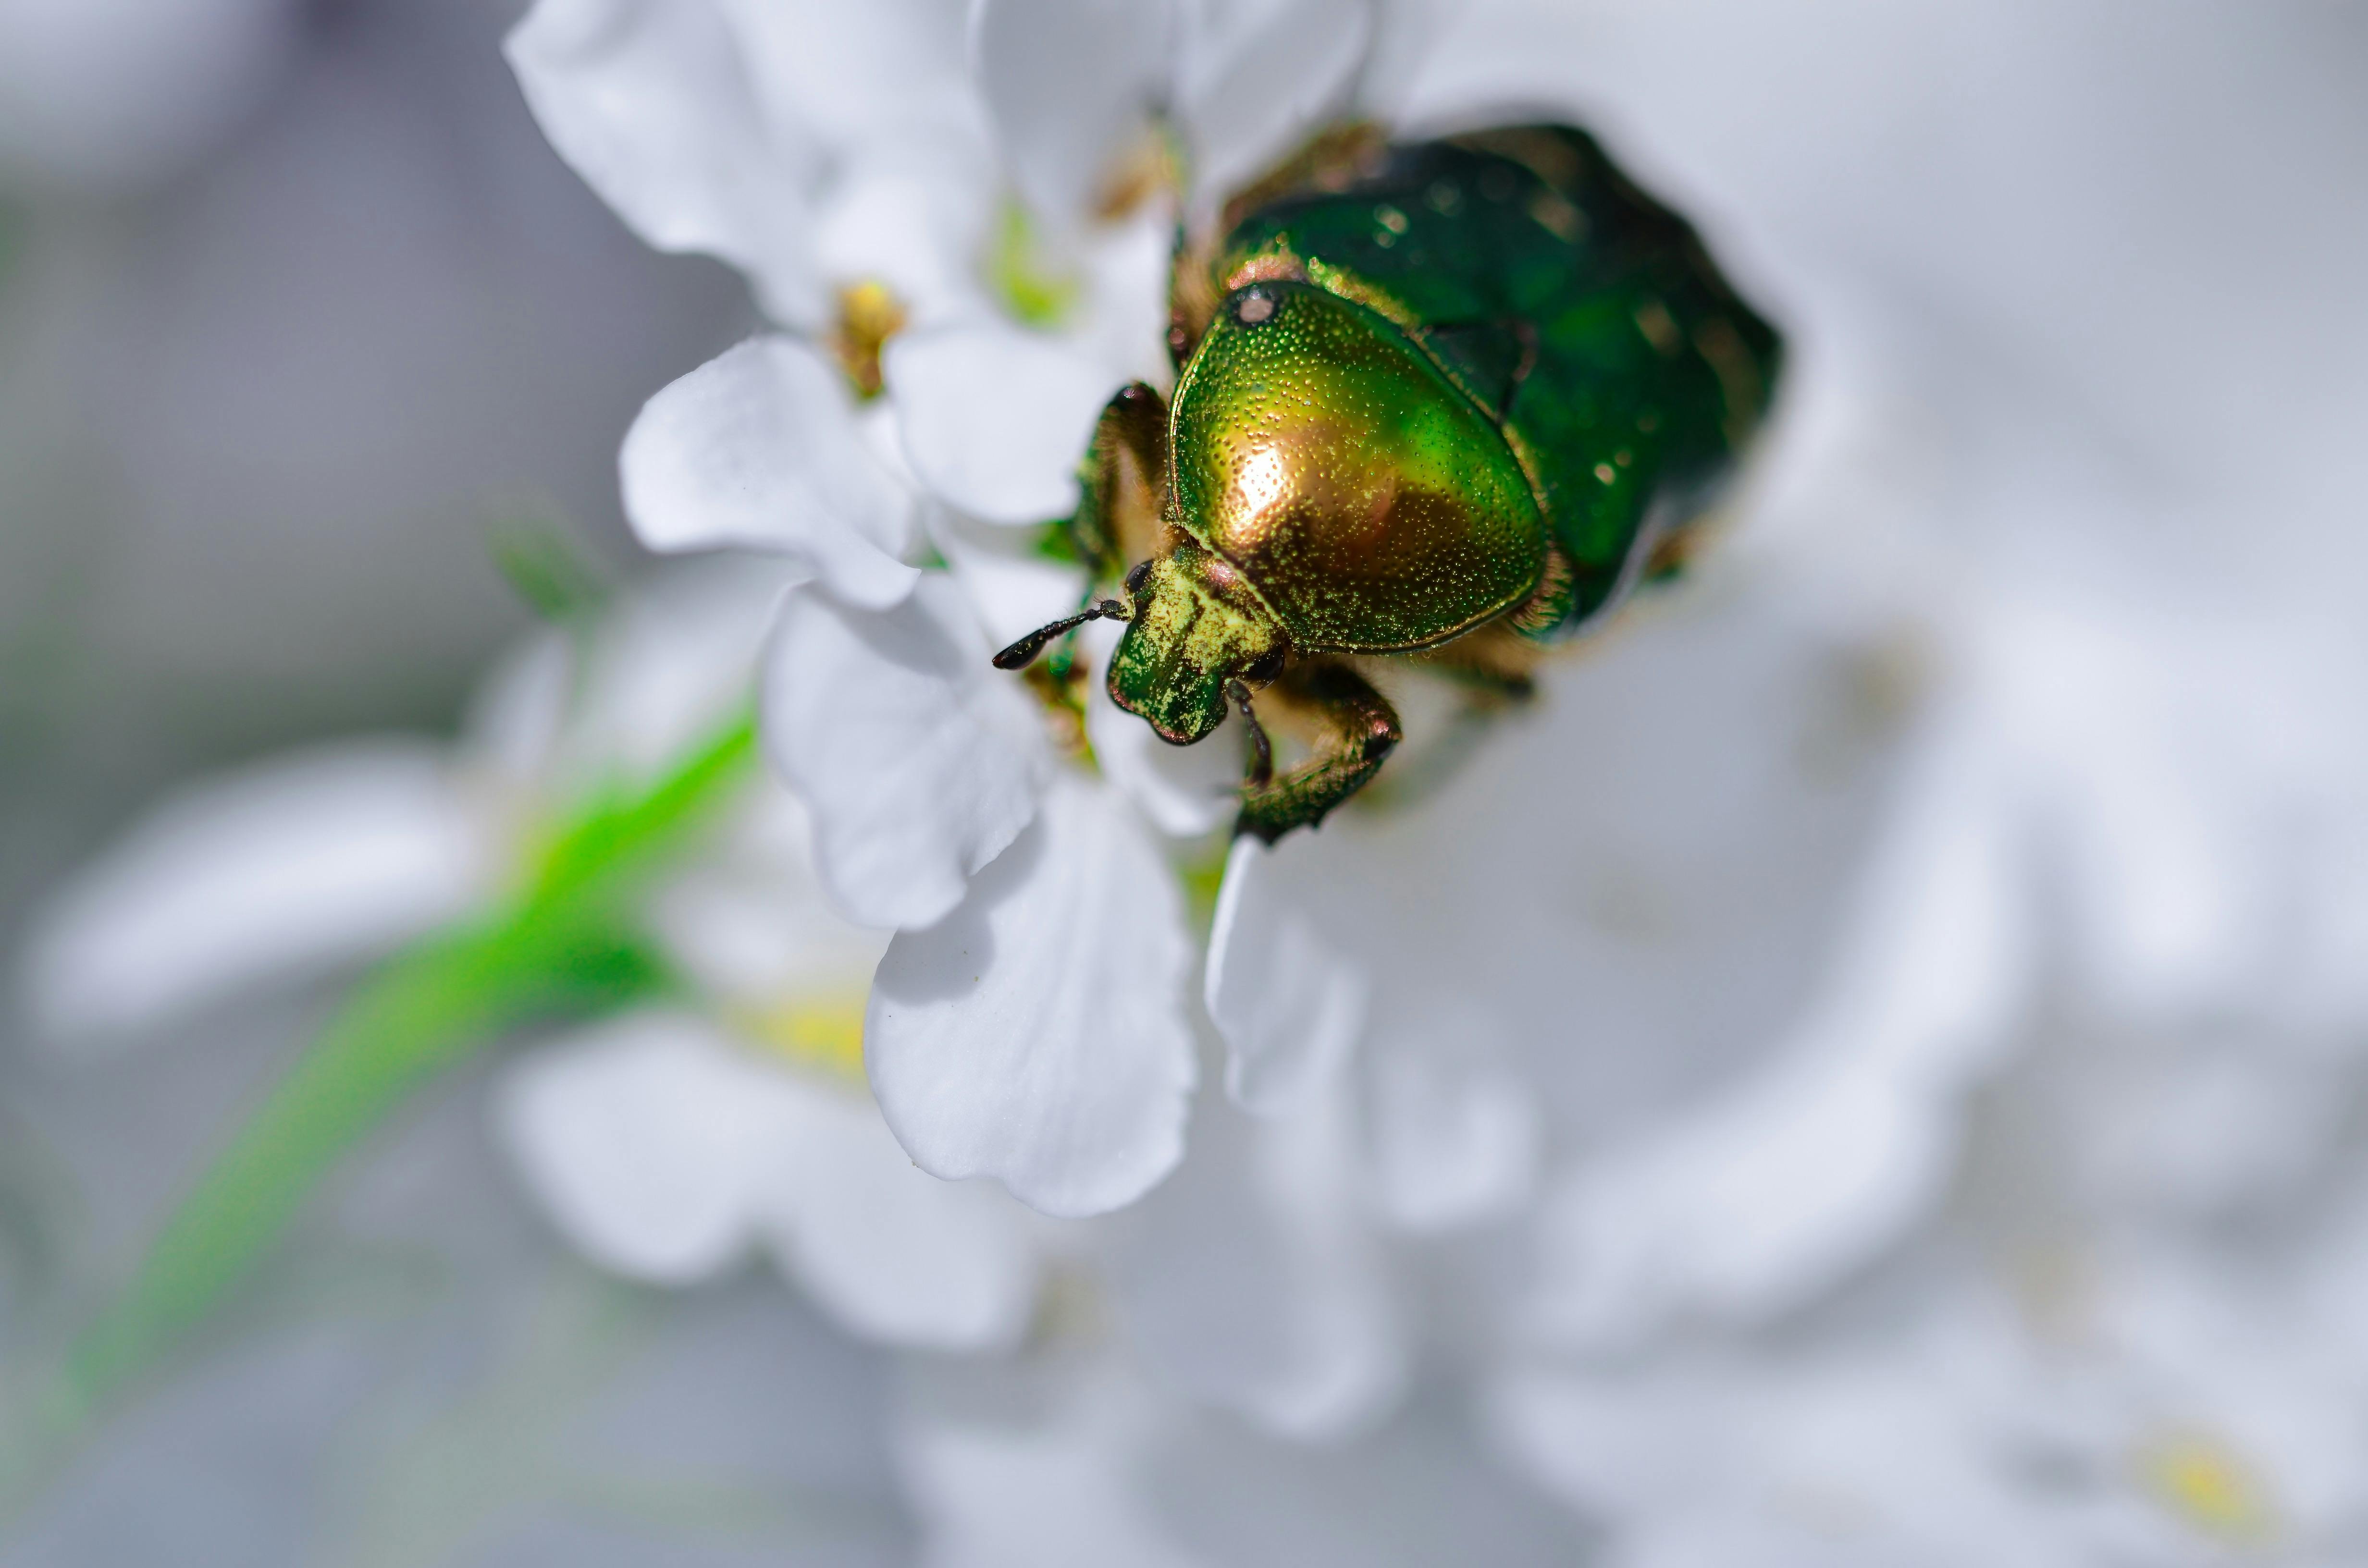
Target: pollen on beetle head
x=868, y=316
x=1254, y=308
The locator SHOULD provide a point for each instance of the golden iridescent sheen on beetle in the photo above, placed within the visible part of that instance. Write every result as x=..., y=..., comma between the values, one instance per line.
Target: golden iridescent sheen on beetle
x=1446, y=400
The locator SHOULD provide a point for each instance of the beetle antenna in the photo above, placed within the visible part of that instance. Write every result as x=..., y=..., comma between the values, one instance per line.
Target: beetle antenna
x=1261, y=771
x=1022, y=653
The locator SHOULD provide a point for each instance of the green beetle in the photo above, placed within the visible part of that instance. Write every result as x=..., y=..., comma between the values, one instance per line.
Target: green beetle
x=1447, y=400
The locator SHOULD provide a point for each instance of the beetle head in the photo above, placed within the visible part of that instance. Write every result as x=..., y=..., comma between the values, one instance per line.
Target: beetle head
x=1196, y=625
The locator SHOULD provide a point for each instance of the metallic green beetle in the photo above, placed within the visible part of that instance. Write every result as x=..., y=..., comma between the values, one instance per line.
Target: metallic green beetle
x=1449, y=400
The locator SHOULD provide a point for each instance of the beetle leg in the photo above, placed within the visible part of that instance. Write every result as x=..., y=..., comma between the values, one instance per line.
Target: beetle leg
x=1262, y=768
x=1493, y=665
x=1355, y=729
x=1118, y=516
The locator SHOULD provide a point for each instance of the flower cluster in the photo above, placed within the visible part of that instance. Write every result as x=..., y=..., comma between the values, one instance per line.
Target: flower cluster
x=1802, y=1083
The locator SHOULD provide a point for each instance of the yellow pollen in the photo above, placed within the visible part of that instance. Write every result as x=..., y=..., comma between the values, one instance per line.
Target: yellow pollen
x=1059, y=683
x=820, y=1031
x=1146, y=169
x=868, y=316
x=2205, y=1482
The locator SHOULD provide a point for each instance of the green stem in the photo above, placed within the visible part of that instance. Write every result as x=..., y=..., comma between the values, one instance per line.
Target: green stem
x=568, y=947
x=421, y=1014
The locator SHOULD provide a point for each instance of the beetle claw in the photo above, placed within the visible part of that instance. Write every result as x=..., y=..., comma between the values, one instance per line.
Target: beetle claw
x=1261, y=771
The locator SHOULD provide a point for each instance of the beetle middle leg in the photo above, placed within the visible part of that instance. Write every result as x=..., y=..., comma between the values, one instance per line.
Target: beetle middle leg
x=1493, y=666
x=1353, y=730
x=1119, y=518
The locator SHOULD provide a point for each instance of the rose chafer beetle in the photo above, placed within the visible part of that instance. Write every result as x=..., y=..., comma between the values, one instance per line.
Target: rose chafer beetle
x=1445, y=400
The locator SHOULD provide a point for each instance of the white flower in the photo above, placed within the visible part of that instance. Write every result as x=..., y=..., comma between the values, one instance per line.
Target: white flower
x=666, y=1143
x=2056, y=1374
x=1693, y=982
x=666, y=1148
x=1029, y=1024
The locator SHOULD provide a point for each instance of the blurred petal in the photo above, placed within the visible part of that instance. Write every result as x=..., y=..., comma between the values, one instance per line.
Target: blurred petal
x=888, y=1249
x=1257, y=77
x=1249, y=1281
x=1289, y=1003
x=649, y=101
x=1770, y=1193
x=1011, y=586
x=1070, y=86
x=759, y=448
x=748, y=922
x=1453, y=1141
x=919, y=760
x=919, y=231
x=670, y=666
x=650, y=1140
x=1062, y=1488
x=515, y=718
x=309, y=860
x=2150, y=754
x=997, y=419
x=1037, y=1035
x=883, y=73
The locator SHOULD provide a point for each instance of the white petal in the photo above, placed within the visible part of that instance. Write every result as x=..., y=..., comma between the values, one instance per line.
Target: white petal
x=860, y=74
x=746, y=920
x=1753, y=1203
x=1290, y=1004
x=670, y=666
x=758, y=447
x=1257, y=77
x=1070, y=85
x=920, y=232
x=311, y=859
x=516, y=715
x=1064, y=1488
x=1037, y=1035
x=2150, y=753
x=652, y=1142
x=1746, y=1213
x=1013, y=588
x=1251, y=1281
x=997, y=419
x=649, y=102
x=919, y=760
x=1454, y=1141
x=892, y=1252
x=1184, y=790
x=1121, y=323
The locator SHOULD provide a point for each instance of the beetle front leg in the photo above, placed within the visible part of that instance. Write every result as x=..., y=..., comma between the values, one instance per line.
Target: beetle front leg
x=1119, y=519
x=1355, y=729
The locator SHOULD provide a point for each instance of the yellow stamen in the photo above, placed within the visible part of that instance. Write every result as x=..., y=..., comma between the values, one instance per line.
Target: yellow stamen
x=2208, y=1485
x=868, y=316
x=1145, y=170
x=1060, y=686
x=821, y=1030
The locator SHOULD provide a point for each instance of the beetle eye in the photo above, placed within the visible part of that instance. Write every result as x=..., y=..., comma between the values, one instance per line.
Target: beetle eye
x=1136, y=578
x=1253, y=307
x=1269, y=666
